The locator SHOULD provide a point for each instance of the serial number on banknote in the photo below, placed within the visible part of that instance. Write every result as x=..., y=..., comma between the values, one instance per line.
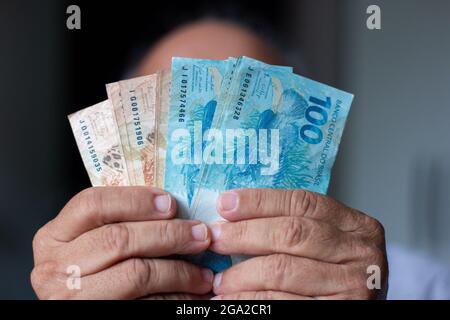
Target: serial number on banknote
x=136, y=119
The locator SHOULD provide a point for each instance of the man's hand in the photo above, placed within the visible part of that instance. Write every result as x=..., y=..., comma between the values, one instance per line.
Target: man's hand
x=309, y=246
x=115, y=236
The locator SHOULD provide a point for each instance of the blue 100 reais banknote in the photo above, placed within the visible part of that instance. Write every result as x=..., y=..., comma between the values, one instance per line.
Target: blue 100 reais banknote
x=247, y=125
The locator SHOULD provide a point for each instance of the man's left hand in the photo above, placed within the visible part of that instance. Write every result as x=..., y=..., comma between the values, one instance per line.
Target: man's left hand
x=307, y=246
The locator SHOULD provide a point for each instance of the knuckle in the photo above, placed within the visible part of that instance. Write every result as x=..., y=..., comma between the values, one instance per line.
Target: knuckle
x=48, y=282
x=275, y=268
x=290, y=234
x=45, y=271
x=88, y=202
x=375, y=225
x=87, y=196
x=240, y=233
x=351, y=282
x=376, y=256
x=374, y=229
x=169, y=231
x=44, y=245
x=356, y=248
x=38, y=239
x=379, y=232
x=355, y=279
x=134, y=199
x=116, y=237
x=258, y=199
x=140, y=273
x=183, y=270
x=328, y=236
x=301, y=202
x=40, y=277
x=36, y=281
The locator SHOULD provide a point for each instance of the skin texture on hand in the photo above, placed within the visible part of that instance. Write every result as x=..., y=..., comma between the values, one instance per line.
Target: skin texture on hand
x=117, y=237
x=308, y=246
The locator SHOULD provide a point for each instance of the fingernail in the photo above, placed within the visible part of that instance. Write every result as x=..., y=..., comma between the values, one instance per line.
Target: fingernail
x=217, y=280
x=162, y=203
x=207, y=275
x=216, y=229
x=200, y=232
x=228, y=201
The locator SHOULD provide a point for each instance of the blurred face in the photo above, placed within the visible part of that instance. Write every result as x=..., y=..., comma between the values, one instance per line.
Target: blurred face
x=207, y=40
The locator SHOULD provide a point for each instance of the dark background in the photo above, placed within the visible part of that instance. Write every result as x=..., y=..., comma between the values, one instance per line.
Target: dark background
x=393, y=161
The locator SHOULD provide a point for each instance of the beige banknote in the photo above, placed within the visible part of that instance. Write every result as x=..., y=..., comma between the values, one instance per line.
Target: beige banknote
x=138, y=97
x=114, y=95
x=98, y=141
x=162, y=108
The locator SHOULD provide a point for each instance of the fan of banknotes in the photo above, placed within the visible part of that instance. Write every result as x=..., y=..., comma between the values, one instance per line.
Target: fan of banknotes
x=207, y=126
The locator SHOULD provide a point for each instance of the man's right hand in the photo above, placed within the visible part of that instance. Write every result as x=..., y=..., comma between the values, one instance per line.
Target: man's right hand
x=116, y=237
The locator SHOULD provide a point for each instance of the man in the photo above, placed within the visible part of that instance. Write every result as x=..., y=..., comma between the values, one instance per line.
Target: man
x=305, y=245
